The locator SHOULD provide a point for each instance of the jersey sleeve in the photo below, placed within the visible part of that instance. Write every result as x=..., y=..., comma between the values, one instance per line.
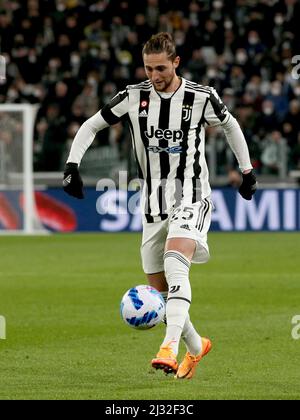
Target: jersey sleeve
x=117, y=109
x=112, y=113
x=237, y=142
x=85, y=137
x=216, y=112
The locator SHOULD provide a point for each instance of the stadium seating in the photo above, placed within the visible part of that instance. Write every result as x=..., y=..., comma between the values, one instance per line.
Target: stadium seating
x=72, y=56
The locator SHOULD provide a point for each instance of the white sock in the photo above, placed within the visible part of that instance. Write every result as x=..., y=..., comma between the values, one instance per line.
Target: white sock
x=191, y=338
x=189, y=335
x=177, y=268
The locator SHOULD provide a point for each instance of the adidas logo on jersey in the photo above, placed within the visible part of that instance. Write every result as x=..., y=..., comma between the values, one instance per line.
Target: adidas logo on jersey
x=143, y=114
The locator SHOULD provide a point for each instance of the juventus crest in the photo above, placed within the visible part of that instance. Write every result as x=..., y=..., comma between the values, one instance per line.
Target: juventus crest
x=186, y=112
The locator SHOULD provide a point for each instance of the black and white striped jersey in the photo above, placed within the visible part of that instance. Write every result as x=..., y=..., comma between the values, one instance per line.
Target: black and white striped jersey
x=168, y=140
x=168, y=137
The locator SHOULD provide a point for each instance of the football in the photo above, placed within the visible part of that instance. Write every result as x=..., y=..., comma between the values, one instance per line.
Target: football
x=142, y=307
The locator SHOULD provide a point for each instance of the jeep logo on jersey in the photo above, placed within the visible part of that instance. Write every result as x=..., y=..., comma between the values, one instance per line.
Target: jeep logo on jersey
x=160, y=134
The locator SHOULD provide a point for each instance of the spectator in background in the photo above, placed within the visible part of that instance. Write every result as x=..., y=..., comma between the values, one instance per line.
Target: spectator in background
x=291, y=123
x=109, y=90
x=268, y=119
x=119, y=32
x=53, y=143
x=142, y=29
x=295, y=155
x=196, y=65
x=229, y=98
x=78, y=114
x=280, y=101
x=271, y=153
x=7, y=30
x=152, y=14
x=88, y=99
x=60, y=95
x=164, y=24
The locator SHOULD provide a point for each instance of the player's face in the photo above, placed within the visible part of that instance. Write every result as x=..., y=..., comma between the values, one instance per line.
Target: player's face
x=161, y=70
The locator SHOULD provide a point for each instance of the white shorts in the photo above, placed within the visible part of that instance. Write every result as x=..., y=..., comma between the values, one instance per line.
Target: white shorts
x=187, y=221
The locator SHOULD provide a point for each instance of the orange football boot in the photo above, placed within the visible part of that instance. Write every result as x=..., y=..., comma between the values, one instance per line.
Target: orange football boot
x=165, y=360
x=189, y=364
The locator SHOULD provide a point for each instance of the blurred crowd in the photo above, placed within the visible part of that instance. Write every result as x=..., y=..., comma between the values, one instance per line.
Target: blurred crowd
x=72, y=56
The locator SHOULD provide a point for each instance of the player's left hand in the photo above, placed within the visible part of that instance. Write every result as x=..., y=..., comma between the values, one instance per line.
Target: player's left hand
x=248, y=186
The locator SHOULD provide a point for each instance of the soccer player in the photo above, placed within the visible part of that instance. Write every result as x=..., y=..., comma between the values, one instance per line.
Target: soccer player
x=167, y=116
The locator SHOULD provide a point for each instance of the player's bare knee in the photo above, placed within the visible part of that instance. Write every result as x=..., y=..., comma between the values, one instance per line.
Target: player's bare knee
x=184, y=246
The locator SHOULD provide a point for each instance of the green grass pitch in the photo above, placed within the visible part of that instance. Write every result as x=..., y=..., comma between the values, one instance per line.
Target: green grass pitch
x=60, y=296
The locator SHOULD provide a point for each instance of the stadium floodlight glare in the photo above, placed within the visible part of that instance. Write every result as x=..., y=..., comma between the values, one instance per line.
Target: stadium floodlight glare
x=17, y=212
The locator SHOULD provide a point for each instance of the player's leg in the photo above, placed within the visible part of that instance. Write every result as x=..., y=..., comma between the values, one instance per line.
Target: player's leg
x=186, y=243
x=152, y=251
x=177, y=259
x=178, y=320
x=158, y=281
x=189, y=335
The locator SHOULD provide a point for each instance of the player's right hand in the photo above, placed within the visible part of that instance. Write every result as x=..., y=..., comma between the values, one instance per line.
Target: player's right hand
x=72, y=182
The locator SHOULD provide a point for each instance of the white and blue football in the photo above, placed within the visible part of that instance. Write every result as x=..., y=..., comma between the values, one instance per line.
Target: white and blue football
x=142, y=307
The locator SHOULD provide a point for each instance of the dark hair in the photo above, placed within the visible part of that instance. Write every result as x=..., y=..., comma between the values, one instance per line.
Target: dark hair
x=159, y=43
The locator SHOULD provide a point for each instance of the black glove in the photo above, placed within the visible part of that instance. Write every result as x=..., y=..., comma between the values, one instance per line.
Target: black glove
x=72, y=182
x=248, y=186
